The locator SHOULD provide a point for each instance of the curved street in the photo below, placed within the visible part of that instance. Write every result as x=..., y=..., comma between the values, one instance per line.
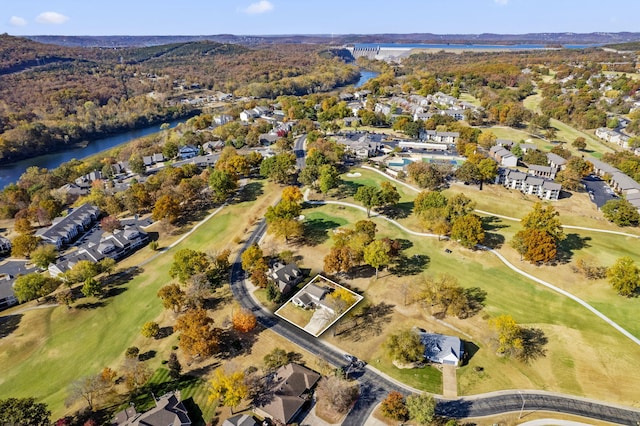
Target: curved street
x=374, y=386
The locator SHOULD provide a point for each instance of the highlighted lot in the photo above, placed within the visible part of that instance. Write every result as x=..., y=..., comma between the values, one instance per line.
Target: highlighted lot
x=318, y=305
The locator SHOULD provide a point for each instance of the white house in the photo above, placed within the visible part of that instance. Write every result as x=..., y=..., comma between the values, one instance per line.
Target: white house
x=441, y=348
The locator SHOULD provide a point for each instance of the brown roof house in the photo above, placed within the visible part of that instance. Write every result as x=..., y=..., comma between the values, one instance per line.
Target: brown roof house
x=169, y=411
x=292, y=386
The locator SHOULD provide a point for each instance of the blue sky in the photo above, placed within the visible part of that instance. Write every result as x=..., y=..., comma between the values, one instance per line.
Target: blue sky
x=199, y=17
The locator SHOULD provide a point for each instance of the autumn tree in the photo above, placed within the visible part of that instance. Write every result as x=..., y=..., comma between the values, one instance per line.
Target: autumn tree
x=535, y=246
x=24, y=411
x=376, y=254
x=22, y=225
x=624, y=276
x=34, y=286
x=187, y=262
x=150, y=329
x=279, y=168
x=337, y=393
x=243, y=320
x=579, y=143
x=92, y=389
x=388, y=195
x=172, y=297
x=427, y=175
x=230, y=389
x=487, y=139
x=110, y=223
x=405, y=347
x=23, y=245
x=619, y=211
x=328, y=178
x=508, y=335
x=394, y=407
x=44, y=255
x=421, y=407
x=467, y=230
x=338, y=260
x=251, y=256
x=82, y=271
x=445, y=292
x=427, y=200
x=198, y=336
x=167, y=207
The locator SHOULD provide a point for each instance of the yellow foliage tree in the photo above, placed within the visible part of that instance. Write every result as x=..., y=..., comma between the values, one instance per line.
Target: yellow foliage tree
x=230, y=389
x=509, y=334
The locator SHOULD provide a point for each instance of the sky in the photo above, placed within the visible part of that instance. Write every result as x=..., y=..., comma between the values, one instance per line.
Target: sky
x=267, y=17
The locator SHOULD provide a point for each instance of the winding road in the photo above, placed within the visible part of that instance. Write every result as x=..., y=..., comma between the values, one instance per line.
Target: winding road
x=374, y=386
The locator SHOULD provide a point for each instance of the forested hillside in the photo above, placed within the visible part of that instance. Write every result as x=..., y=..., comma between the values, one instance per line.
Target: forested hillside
x=53, y=96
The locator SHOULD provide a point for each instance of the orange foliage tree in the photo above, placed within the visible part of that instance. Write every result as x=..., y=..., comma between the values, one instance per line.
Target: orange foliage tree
x=244, y=320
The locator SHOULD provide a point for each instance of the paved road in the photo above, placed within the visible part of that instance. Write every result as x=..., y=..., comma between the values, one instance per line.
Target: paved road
x=374, y=387
x=298, y=150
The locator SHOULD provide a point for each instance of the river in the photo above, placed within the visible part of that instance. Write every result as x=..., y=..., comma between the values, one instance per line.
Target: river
x=366, y=76
x=10, y=173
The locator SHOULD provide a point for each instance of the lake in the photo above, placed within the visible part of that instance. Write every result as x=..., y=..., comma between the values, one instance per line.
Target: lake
x=466, y=46
x=10, y=173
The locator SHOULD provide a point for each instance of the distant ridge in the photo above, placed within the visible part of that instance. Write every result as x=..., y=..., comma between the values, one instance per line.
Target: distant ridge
x=537, y=38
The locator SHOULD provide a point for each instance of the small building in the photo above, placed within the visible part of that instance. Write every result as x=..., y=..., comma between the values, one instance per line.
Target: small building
x=556, y=161
x=5, y=245
x=311, y=297
x=503, y=156
x=248, y=115
x=187, y=151
x=441, y=348
x=221, y=119
x=169, y=411
x=292, y=386
x=240, y=420
x=286, y=277
x=546, y=172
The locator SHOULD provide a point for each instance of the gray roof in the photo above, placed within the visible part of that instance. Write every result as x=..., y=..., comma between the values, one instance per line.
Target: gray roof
x=552, y=186
x=556, y=159
x=530, y=180
x=543, y=169
x=76, y=218
x=601, y=165
x=438, y=346
x=169, y=411
x=240, y=420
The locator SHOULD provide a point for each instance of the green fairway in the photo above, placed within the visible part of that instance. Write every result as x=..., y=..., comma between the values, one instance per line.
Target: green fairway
x=51, y=348
x=564, y=322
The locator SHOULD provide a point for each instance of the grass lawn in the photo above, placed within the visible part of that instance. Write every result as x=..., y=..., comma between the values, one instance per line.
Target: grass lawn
x=53, y=347
x=466, y=97
x=194, y=392
x=503, y=132
x=589, y=372
x=296, y=314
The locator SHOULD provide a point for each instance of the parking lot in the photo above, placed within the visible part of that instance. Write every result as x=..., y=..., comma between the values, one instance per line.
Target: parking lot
x=598, y=190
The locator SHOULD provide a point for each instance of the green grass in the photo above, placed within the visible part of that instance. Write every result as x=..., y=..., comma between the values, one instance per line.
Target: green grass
x=428, y=379
x=193, y=390
x=36, y=357
x=564, y=322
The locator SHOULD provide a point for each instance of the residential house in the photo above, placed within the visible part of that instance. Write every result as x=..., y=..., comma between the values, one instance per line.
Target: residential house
x=312, y=297
x=505, y=143
x=286, y=277
x=441, y=98
x=355, y=107
x=346, y=97
x=550, y=190
x=248, y=115
x=556, y=161
x=240, y=420
x=71, y=192
x=440, y=137
x=64, y=229
x=602, y=169
x=362, y=94
x=441, y=348
x=88, y=179
x=456, y=114
x=362, y=145
x=221, y=119
x=268, y=138
x=526, y=147
x=169, y=411
x=212, y=146
x=385, y=109
x=7, y=296
x=503, y=156
x=187, y=151
x=5, y=245
x=424, y=116
x=351, y=121
x=292, y=386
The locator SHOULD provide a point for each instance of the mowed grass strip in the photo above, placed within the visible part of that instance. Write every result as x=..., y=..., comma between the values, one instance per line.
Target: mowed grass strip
x=51, y=348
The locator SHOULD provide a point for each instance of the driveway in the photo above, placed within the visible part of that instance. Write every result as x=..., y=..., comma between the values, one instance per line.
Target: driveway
x=598, y=190
x=449, y=381
x=319, y=320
